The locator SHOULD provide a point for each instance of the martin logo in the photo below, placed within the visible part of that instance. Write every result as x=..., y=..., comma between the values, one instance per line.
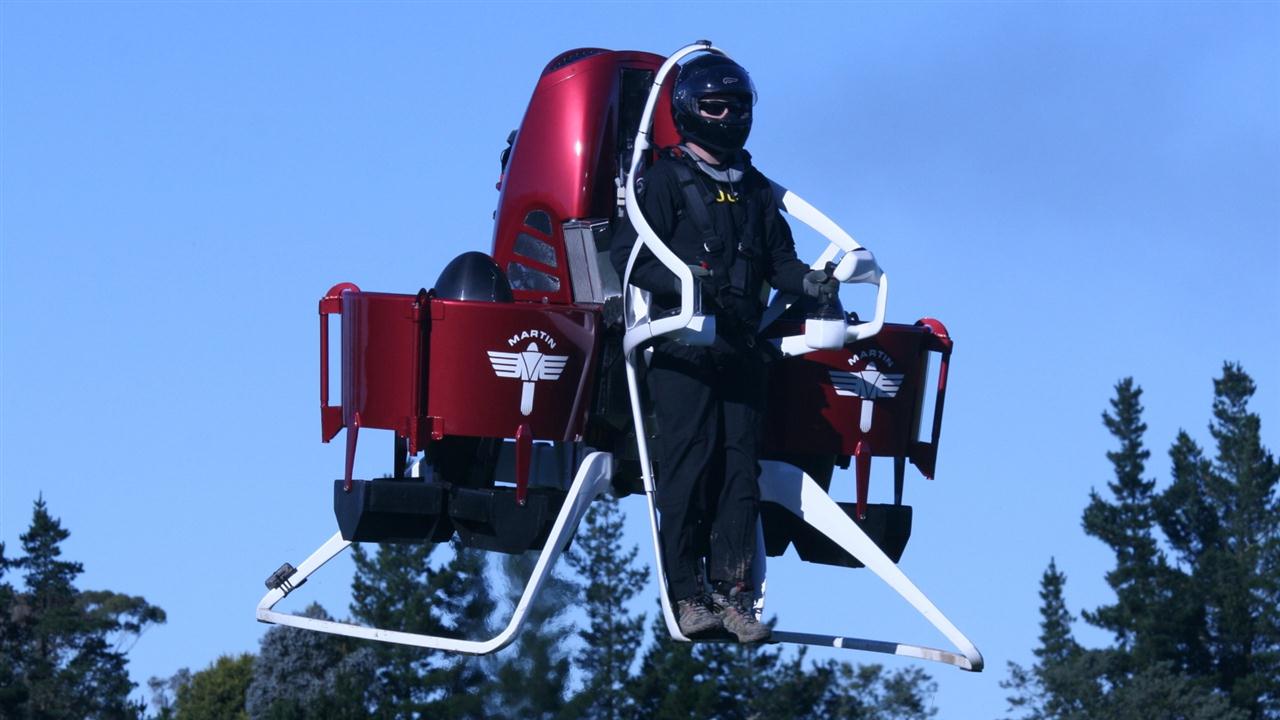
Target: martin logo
x=869, y=384
x=529, y=366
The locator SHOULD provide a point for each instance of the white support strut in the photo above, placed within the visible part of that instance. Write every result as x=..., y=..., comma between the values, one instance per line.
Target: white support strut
x=592, y=478
x=646, y=329
x=685, y=319
x=791, y=488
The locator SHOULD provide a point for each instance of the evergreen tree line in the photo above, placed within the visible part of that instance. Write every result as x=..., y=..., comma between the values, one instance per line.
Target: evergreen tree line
x=64, y=650
x=1195, y=623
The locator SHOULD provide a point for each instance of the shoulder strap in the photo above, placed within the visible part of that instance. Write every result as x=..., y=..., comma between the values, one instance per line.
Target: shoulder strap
x=695, y=206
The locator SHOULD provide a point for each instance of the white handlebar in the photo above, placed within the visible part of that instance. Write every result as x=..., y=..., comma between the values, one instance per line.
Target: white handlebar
x=840, y=240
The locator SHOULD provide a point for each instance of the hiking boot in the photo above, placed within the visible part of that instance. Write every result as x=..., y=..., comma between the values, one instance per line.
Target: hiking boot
x=739, y=617
x=695, y=616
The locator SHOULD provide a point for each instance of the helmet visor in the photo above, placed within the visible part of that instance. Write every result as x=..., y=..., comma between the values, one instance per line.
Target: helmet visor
x=725, y=107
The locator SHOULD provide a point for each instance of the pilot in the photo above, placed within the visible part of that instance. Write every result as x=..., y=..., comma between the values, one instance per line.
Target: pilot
x=717, y=212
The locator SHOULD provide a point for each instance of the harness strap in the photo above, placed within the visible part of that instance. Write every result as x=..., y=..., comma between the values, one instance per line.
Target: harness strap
x=730, y=267
x=695, y=206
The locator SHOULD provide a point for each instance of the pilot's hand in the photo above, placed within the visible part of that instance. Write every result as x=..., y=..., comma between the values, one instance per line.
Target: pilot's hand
x=821, y=285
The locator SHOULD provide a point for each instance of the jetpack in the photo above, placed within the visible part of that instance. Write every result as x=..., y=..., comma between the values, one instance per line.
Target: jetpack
x=512, y=385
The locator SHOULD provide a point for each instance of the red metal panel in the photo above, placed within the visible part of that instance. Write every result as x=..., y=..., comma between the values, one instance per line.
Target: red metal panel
x=382, y=342
x=564, y=160
x=817, y=401
x=330, y=415
x=497, y=366
x=924, y=455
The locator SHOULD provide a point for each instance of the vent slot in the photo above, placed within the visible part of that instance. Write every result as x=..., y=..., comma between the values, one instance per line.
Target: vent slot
x=540, y=221
x=536, y=250
x=523, y=277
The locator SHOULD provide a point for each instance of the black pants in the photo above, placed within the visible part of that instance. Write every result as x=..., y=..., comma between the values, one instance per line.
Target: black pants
x=710, y=409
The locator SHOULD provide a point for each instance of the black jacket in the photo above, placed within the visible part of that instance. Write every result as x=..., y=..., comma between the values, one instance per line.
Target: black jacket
x=757, y=246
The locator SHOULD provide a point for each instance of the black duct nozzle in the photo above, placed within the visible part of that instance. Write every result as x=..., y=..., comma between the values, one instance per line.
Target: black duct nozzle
x=473, y=276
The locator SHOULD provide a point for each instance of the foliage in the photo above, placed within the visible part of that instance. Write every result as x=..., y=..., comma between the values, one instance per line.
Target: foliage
x=1195, y=627
x=867, y=692
x=1056, y=686
x=671, y=684
x=62, y=649
x=1126, y=525
x=729, y=681
x=538, y=654
x=1228, y=544
x=398, y=587
x=612, y=634
x=164, y=693
x=743, y=677
x=217, y=692
x=1069, y=682
x=301, y=674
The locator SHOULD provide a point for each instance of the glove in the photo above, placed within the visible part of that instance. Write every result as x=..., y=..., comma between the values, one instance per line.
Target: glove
x=819, y=284
x=698, y=272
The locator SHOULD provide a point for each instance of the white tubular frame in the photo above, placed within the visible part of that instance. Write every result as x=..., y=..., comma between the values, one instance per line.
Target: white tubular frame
x=592, y=479
x=792, y=489
x=648, y=329
x=839, y=241
x=779, y=482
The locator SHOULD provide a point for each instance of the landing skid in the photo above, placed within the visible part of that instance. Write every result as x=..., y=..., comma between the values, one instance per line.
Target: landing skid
x=791, y=488
x=592, y=479
x=794, y=490
x=779, y=483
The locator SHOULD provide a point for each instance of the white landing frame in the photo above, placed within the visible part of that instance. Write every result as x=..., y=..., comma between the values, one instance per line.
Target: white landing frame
x=591, y=480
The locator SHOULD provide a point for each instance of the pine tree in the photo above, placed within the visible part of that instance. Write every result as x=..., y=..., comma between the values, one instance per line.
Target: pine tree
x=1159, y=691
x=743, y=675
x=1191, y=525
x=459, y=683
x=1223, y=520
x=399, y=588
x=867, y=692
x=1142, y=618
x=671, y=684
x=396, y=588
x=613, y=635
x=1069, y=682
x=531, y=676
x=1198, y=636
x=798, y=691
x=61, y=644
x=1065, y=680
x=13, y=692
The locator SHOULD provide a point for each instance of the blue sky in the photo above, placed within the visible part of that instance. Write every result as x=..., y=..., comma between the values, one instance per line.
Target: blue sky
x=1080, y=191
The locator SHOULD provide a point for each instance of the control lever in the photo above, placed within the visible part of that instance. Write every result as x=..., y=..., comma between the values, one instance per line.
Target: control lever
x=824, y=327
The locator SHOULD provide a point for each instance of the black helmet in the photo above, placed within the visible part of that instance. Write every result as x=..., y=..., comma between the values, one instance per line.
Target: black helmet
x=732, y=95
